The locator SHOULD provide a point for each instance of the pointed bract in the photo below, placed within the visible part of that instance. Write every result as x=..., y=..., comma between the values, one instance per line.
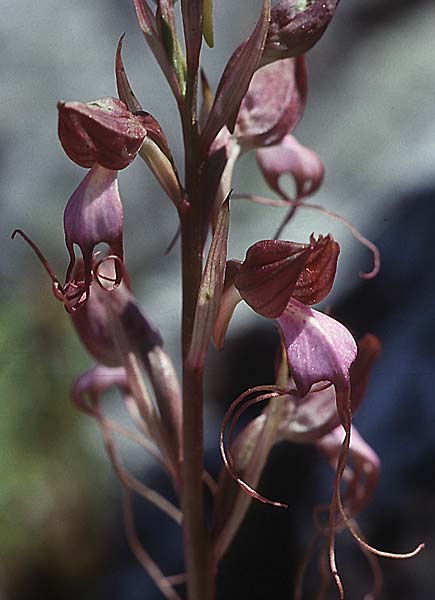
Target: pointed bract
x=102, y=133
x=156, y=153
x=235, y=81
x=229, y=300
x=210, y=290
x=125, y=91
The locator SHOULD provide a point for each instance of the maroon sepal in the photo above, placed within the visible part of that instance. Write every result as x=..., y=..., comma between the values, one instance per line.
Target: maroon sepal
x=103, y=132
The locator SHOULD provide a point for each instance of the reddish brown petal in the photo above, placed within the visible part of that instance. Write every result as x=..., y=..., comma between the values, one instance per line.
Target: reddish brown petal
x=316, y=279
x=268, y=276
x=103, y=132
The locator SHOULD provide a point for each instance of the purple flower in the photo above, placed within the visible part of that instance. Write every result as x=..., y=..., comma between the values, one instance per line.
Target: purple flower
x=94, y=215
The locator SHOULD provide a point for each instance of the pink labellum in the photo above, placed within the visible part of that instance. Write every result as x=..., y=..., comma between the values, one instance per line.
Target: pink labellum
x=102, y=133
x=93, y=323
x=94, y=215
x=318, y=347
x=273, y=104
x=290, y=158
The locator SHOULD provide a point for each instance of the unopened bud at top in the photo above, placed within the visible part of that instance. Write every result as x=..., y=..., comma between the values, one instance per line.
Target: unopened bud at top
x=295, y=26
x=102, y=133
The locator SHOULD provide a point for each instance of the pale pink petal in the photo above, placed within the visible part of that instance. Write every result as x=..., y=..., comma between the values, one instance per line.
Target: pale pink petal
x=291, y=158
x=273, y=104
x=318, y=347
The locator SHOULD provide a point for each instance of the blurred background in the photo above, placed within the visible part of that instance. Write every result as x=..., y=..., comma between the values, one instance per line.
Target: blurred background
x=371, y=118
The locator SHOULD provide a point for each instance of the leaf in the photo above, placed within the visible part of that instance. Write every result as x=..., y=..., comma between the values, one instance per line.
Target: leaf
x=210, y=290
x=235, y=81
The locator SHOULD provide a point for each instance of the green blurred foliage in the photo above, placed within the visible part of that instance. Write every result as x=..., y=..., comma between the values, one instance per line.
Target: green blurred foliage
x=53, y=483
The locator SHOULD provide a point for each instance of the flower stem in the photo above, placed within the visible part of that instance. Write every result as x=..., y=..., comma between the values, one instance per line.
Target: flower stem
x=198, y=557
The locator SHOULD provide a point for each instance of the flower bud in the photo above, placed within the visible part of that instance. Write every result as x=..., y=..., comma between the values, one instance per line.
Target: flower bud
x=103, y=132
x=94, y=215
x=296, y=26
x=273, y=104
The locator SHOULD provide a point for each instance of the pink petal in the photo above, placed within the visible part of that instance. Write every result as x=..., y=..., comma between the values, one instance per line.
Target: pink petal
x=289, y=157
x=273, y=104
x=318, y=347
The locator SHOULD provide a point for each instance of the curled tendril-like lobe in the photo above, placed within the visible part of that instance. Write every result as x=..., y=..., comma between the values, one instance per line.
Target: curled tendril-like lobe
x=93, y=215
x=74, y=293
x=296, y=204
x=237, y=408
